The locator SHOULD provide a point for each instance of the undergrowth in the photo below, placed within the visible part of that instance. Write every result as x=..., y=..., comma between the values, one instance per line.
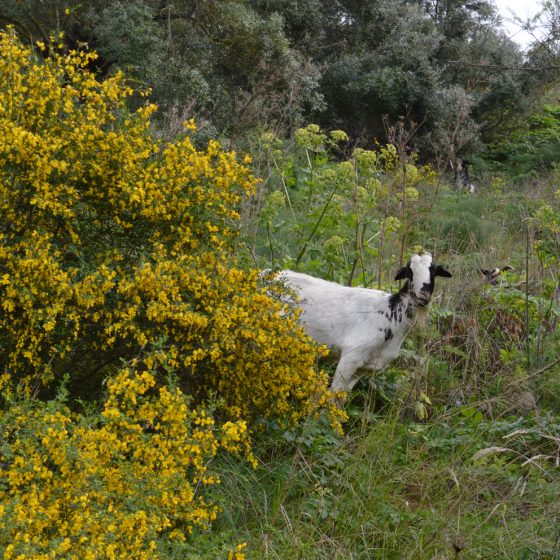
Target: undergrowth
x=453, y=452
x=457, y=485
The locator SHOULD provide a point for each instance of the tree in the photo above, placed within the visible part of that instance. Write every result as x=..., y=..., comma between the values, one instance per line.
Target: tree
x=240, y=65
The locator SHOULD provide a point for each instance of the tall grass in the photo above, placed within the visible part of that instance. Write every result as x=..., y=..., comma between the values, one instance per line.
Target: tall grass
x=401, y=490
x=471, y=473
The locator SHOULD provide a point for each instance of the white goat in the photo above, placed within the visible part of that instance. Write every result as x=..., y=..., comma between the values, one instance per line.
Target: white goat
x=366, y=328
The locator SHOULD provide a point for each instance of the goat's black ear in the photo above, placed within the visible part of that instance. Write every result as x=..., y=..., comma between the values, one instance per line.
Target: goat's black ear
x=440, y=271
x=404, y=272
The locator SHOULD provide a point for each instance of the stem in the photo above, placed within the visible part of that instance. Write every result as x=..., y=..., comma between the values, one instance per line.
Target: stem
x=527, y=340
x=310, y=195
x=380, y=254
x=304, y=248
x=364, y=228
x=351, y=277
x=270, y=244
x=286, y=191
x=357, y=242
x=403, y=213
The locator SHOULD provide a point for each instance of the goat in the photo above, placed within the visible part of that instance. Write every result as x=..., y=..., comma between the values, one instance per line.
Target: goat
x=493, y=274
x=365, y=327
x=462, y=177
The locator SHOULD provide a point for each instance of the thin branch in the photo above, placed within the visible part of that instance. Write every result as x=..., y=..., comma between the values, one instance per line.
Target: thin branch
x=502, y=66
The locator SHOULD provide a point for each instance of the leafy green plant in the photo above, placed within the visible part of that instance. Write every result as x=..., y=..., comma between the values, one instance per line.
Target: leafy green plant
x=531, y=149
x=454, y=223
x=337, y=219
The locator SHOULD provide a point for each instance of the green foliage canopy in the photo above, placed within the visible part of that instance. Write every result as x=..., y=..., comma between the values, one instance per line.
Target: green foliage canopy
x=236, y=65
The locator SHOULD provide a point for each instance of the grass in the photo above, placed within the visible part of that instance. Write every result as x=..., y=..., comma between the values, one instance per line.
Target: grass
x=391, y=489
x=478, y=477
x=452, y=452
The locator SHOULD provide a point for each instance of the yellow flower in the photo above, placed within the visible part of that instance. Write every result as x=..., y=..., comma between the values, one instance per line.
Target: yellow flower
x=190, y=125
x=119, y=247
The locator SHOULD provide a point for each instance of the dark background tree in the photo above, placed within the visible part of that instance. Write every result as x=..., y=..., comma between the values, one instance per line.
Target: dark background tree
x=239, y=65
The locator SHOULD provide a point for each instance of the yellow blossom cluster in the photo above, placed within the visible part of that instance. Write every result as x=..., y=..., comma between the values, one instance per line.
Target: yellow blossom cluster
x=116, y=247
x=108, y=485
x=113, y=240
x=237, y=554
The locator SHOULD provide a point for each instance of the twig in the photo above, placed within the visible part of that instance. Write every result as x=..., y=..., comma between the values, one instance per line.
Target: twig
x=539, y=371
x=503, y=67
x=527, y=338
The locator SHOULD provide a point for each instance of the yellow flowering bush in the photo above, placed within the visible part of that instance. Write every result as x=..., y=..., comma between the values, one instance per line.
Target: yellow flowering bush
x=114, y=241
x=108, y=485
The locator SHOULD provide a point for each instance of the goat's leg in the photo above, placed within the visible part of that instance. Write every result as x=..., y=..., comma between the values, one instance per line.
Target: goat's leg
x=346, y=374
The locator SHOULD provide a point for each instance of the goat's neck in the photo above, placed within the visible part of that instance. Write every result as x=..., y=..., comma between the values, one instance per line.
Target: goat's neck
x=401, y=306
x=406, y=302
x=419, y=298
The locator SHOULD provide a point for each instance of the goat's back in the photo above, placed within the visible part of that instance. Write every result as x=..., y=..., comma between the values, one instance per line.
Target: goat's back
x=336, y=315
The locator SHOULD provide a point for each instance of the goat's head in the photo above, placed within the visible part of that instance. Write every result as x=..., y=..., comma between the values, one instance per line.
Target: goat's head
x=420, y=273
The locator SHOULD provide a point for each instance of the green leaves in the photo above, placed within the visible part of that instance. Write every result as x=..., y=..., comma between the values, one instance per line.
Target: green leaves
x=331, y=215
